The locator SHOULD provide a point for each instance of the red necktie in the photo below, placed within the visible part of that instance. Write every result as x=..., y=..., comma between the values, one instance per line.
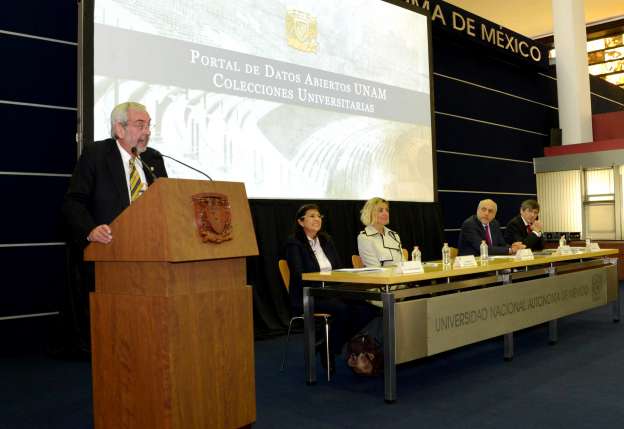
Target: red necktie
x=488, y=237
x=529, y=230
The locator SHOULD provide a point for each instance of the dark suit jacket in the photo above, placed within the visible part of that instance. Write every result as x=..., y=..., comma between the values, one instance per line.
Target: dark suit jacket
x=301, y=259
x=472, y=232
x=98, y=191
x=516, y=231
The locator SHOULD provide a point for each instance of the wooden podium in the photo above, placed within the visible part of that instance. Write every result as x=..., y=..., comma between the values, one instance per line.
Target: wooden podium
x=171, y=315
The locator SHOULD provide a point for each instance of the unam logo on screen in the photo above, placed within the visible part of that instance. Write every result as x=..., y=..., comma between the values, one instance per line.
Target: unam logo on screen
x=301, y=31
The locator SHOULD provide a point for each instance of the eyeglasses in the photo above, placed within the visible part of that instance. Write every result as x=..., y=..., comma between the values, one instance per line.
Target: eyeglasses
x=313, y=216
x=141, y=125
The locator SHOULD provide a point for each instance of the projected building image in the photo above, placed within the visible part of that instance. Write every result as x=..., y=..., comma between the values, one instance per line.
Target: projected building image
x=309, y=106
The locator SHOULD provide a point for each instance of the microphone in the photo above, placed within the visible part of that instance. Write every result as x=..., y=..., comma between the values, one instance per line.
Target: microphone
x=150, y=169
x=162, y=155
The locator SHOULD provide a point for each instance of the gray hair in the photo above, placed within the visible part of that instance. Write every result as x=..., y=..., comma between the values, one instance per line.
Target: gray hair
x=119, y=115
x=487, y=200
x=367, y=212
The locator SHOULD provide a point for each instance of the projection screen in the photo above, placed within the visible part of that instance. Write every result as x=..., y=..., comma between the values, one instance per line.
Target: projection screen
x=298, y=99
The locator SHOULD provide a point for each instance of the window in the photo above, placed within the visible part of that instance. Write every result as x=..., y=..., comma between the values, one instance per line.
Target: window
x=599, y=209
x=605, y=57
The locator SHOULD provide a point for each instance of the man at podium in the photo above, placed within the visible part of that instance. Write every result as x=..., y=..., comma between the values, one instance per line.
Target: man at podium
x=109, y=175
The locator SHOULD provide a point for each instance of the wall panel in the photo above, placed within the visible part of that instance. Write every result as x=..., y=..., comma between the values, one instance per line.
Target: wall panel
x=484, y=175
x=43, y=139
x=460, y=135
x=35, y=215
x=462, y=99
x=39, y=71
x=463, y=60
x=38, y=115
x=33, y=280
x=43, y=18
x=605, y=97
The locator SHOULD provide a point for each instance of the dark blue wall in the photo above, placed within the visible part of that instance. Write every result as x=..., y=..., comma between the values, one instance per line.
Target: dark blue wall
x=38, y=44
x=492, y=118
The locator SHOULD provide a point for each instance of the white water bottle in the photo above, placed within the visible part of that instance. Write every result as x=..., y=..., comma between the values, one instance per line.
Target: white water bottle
x=562, y=240
x=416, y=255
x=446, y=255
x=483, y=251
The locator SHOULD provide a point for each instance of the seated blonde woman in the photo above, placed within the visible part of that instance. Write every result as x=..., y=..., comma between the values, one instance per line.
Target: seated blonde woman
x=378, y=245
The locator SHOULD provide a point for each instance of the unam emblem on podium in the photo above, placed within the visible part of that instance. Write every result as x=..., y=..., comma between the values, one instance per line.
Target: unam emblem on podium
x=213, y=217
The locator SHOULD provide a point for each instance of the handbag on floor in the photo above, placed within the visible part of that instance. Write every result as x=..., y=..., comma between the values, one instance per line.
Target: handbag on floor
x=365, y=355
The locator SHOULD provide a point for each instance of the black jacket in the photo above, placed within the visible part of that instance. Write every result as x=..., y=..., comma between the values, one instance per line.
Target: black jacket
x=98, y=191
x=516, y=231
x=472, y=233
x=301, y=259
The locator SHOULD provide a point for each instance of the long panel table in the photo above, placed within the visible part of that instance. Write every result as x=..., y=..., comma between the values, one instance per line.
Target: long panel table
x=445, y=308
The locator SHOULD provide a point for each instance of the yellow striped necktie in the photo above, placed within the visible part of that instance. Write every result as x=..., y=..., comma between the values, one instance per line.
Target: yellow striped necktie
x=136, y=186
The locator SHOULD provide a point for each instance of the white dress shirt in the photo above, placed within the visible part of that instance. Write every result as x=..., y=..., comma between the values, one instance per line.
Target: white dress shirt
x=321, y=258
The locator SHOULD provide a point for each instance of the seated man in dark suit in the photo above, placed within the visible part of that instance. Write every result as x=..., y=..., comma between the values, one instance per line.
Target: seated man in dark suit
x=482, y=226
x=526, y=227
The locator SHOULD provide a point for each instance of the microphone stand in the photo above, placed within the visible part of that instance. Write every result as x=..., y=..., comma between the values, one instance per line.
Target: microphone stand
x=186, y=165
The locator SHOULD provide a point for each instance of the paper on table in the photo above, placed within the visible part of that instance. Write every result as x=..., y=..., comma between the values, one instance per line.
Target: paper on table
x=358, y=270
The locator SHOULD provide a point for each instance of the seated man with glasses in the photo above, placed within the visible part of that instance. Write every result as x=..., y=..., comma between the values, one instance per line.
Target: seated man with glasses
x=108, y=177
x=526, y=226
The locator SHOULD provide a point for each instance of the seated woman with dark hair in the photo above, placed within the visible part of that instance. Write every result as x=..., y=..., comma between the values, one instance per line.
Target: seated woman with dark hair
x=310, y=250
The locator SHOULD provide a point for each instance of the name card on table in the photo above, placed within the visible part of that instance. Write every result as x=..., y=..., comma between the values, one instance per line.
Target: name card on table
x=409, y=267
x=564, y=250
x=524, y=255
x=465, y=261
